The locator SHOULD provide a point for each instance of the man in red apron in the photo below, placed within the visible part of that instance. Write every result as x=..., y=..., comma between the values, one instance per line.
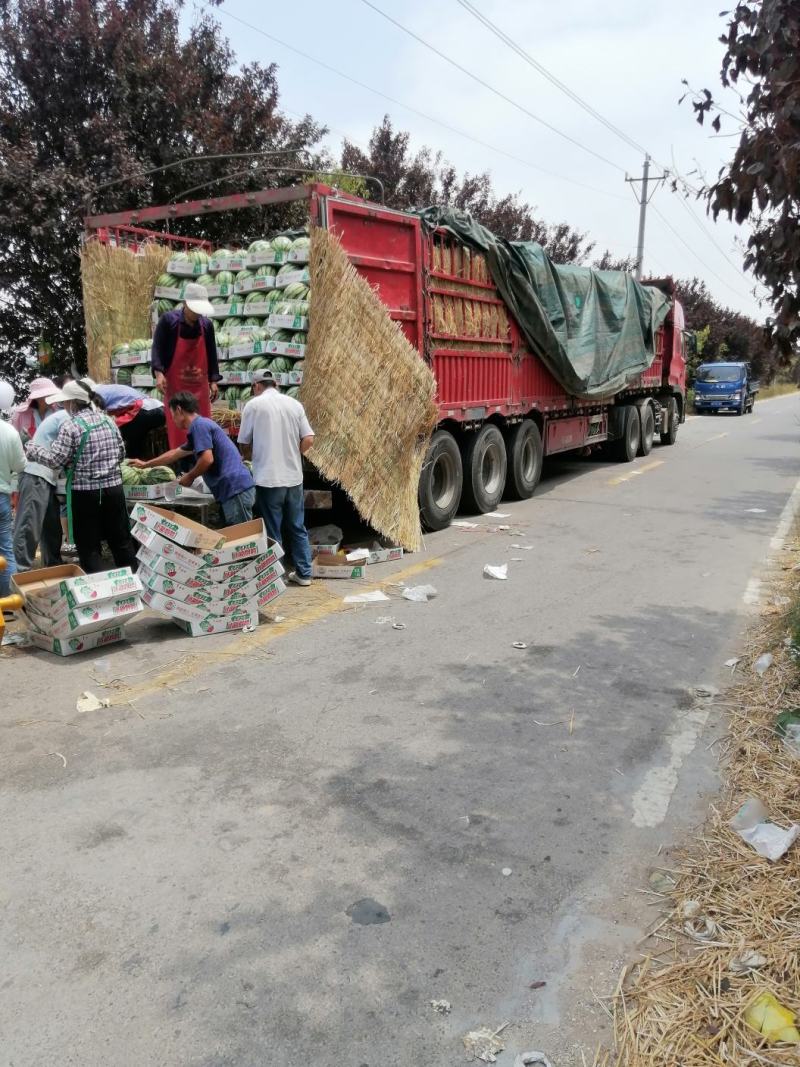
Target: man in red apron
x=184, y=356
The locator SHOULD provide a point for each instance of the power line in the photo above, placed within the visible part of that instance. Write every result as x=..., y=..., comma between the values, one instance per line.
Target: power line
x=491, y=88
x=702, y=262
x=528, y=58
x=408, y=107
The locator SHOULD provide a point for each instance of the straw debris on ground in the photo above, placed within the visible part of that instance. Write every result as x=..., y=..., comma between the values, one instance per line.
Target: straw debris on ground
x=369, y=395
x=733, y=925
x=117, y=294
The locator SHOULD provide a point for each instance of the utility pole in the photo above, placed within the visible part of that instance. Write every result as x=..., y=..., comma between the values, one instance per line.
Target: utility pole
x=643, y=201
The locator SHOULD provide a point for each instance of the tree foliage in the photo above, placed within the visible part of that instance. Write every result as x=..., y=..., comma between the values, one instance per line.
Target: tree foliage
x=761, y=184
x=724, y=334
x=92, y=91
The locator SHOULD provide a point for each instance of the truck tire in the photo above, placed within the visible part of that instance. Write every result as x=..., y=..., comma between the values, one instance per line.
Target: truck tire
x=524, y=460
x=440, y=482
x=627, y=447
x=485, y=466
x=742, y=410
x=669, y=436
x=647, y=420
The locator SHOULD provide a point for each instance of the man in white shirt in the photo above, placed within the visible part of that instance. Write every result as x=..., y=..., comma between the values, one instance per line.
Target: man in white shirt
x=278, y=430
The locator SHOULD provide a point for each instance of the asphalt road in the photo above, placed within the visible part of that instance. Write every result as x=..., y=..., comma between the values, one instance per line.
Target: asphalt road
x=284, y=846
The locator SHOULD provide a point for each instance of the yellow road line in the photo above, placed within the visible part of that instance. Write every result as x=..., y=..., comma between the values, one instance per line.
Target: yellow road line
x=639, y=470
x=190, y=664
x=708, y=440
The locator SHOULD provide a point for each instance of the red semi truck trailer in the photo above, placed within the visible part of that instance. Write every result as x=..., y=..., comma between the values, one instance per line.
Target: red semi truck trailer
x=501, y=411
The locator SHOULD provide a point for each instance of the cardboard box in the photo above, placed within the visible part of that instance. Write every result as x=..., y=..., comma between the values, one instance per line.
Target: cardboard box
x=295, y=377
x=185, y=269
x=178, y=529
x=236, y=377
x=145, y=492
x=265, y=259
x=198, y=596
x=237, y=586
x=289, y=322
x=284, y=348
x=174, y=608
x=253, y=284
x=291, y=277
x=168, y=292
x=379, y=550
x=220, y=290
x=336, y=566
x=146, y=381
x=259, y=308
x=174, y=569
x=68, y=583
x=232, y=263
x=69, y=646
x=220, y=624
x=86, y=618
x=226, y=311
x=131, y=359
x=270, y=593
x=238, y=543
x=247, y=570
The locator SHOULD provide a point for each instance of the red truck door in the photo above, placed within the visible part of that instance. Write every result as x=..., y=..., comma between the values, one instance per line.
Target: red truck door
x=386, y=248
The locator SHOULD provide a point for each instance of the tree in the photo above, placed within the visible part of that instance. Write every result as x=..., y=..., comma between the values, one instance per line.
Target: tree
x=92, y=91
x=424, y=178
x=761, y=184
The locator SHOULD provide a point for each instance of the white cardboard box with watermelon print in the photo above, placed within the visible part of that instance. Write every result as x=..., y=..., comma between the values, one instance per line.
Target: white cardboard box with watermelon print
x=47, y=586
x=236, y=377
x=69, y=646
x=247, y=553
x=145, y=492
x=252, y=285
x=220, y=624
x=131, y=359
x=291, y=277
x=143, y=380
x=285, y=348
x=231, y=309
x=87, y=618
x=269, y=259
x=231, y=263
x=168, y=292
x=177, y=529
x=185, y=268
x=289, y=322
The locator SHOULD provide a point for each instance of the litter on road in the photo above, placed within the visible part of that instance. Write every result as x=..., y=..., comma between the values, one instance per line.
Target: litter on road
x=374, y=596
x=763, y=663
x=526, y=548
x=484, y=1044
x=441, y=1007
x=757, y=511
x=751, y=823
x=519, y=644
x=89, y=702
x=769, y=1017
x=532, y=1059
x=500, y=571
x=419, y=594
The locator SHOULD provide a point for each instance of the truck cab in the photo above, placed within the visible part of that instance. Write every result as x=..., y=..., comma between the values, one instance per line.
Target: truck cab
x=724, y=387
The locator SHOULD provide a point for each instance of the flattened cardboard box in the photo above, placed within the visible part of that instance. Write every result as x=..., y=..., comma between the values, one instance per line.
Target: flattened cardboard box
x=216, y=624
x=87, y=618
x=337, y=566
x=69, y=646
x=198, y=596
x=174, y=609
x=176, y=528
x=167, y=558
x=244, y=541
x=379, y=551
x=68, y=582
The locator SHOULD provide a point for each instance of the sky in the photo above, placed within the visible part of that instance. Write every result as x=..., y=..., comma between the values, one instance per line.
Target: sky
x=626, y=59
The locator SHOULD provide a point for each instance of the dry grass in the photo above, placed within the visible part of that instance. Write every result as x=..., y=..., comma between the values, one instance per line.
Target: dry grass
x=684, y=1004
x=117, y=294
x=369, y=396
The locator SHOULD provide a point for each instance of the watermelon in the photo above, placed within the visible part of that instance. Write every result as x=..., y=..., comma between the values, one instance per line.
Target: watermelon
x=244, y=276
x=197, y=255
x=281, y=244
x=168, y=281
x=155, y=393
x=140, y=368
x=283, y=335
x=299, y=307
x=130, y=475
x=258, y=363
x=222, y=253
x=259, y=334
x=296, y=291
x=251, y=320
x=223, y=339
x=122, y=376
x=179, y=257
x=232, y=325
x=256, y=297
x=265, y=272
x=158, y=475
x=280, y=365
x=120, y=350
x=294, y=391
x=220, y=301
x=259, y=246
x=139, y=344
x=299, y=365
x=245, y=395
x=238, y=365
x=301, y=243
x=273, y=297
x=204, y=279
x=163, y=306
x=231, y=396
x=224, y=277
x=299, y=338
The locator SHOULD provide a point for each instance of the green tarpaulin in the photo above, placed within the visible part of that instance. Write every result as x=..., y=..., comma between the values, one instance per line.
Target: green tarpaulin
x=593, y=329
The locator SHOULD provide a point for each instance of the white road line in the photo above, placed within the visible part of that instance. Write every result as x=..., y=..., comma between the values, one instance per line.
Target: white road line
x=752, y=593
x=786, y=520
x=651, y=800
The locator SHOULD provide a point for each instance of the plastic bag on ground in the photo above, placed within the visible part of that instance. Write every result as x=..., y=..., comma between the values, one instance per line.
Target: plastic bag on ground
x=769, y=1017
x=768, y=840
x=419, y=594
x=500, y=572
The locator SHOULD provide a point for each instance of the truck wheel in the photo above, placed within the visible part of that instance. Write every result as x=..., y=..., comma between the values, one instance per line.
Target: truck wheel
x=627, y=446
x=484, y=469
x=440, y=482
x=669, y=436
x=648, y=429
x=524, y=459
x=742, y=406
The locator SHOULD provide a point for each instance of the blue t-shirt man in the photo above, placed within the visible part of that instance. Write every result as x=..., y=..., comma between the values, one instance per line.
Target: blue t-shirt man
x=217, y=460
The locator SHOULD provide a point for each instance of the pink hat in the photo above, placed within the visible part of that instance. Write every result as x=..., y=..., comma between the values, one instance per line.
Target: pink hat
x=40, y=388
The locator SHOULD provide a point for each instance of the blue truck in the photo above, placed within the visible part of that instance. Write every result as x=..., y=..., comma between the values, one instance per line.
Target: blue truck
x=724, y=387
